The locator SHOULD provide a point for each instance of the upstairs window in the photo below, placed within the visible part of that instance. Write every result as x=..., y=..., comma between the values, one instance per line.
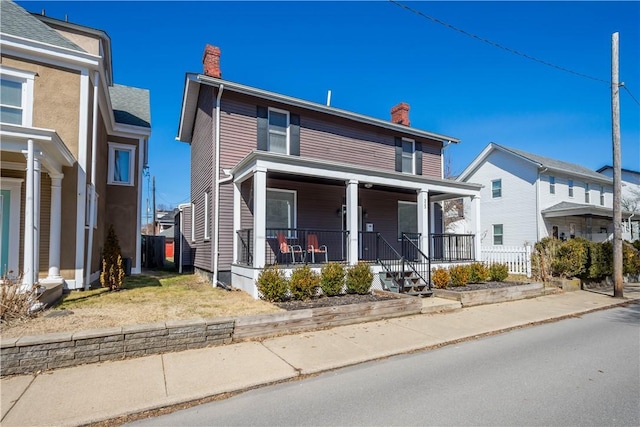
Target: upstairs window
x=408, y=153
x=601, y=195
x=16, y=97
x=587, y=194
x=121, y=164
x=496, y=188
x=570, y=188
x=278, y=131
x=552, y=185
x=408, y=156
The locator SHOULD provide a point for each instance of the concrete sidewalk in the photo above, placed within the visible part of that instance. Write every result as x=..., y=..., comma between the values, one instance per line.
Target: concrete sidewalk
x=96, y=392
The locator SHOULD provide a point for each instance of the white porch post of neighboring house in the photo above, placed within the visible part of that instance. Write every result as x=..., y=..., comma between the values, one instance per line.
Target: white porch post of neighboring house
x=29, y=243
x=259, y=216
x=423, y=220
x=477, y=226
x=36, y=214
x=55, y=227
x=352, y=221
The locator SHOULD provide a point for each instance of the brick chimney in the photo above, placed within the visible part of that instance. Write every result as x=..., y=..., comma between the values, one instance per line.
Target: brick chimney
x=211, y=61
x=400, y=114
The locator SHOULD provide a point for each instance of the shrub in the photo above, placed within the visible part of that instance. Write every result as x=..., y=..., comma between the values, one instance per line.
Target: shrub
x=112, y=275
x=304, y=283
x=478, y=273
x=332, y=279
x=543, y=256
x=498, y=272
x=16, y=303
x=601, y=260
x=630, y=259
x=459, y=275
x=359, y=279
x=440, y=278
x=272, y=284
x=570, y=259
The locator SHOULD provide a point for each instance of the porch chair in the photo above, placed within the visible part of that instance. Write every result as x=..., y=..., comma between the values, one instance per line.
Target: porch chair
x=286, y=248
x=314, y=248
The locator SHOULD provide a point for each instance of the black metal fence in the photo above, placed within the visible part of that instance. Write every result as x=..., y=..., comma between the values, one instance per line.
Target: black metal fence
x=452, y=247
x=245, y=246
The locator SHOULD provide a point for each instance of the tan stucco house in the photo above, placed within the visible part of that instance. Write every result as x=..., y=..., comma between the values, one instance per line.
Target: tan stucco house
x=74, y=147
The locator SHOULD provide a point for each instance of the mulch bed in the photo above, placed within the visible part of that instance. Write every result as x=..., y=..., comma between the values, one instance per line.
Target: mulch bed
x=486, y=285
x=323, y=301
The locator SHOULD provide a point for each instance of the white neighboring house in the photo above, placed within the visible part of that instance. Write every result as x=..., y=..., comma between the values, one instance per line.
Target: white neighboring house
x=630, y=198
x=526, y=197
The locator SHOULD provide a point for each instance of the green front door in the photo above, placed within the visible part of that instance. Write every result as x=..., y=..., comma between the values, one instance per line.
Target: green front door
x=5, y=196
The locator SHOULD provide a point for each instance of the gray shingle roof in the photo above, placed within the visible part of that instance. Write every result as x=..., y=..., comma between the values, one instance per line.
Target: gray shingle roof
x=16, y=21
x=558, y=165
x=131, y=105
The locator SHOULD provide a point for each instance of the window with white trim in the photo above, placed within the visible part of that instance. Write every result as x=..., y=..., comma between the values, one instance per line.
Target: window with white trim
x=207, y=216
x=281, y=211
x=602, y=195
x=16, y=96
x=278, y=141
x=407, y=218
x=193, y=222
x=496, y=188
x=552, y=185
x=497, y=234
x=121, y=164
x=408, y=156
x=587, y=194
x=570, y=188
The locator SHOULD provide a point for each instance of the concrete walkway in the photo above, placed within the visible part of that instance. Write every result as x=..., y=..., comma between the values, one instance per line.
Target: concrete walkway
x=96, y=392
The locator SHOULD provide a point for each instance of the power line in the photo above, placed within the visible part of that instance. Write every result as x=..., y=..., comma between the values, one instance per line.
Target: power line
x=498, y=45
x=631, y=95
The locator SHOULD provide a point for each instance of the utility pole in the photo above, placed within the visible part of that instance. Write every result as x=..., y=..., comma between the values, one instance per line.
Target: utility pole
x=154, y=206
x=617, y=171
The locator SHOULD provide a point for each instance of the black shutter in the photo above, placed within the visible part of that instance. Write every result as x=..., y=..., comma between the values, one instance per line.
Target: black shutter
x=418, y=158
x=294, y=134
x=263, y=127
x=398, y=154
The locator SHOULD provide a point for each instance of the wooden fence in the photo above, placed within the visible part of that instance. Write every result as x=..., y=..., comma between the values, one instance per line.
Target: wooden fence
x=518, y=258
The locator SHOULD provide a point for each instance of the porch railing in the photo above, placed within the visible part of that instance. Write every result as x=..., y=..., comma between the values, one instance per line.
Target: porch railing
x=328, y=245
x=419, y=262
x=452, y=247
x=245, y=246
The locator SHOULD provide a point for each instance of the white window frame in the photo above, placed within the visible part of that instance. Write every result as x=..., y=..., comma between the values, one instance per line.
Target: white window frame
x=26, y=78
x=286, y=133
x=552, y=184
x=415, y=207
x=494, y=235
x=207, y=216
x=570, y=183
x=413, y=156
x=113, y=146
x=294, y=214
x=587, y=193
x=602, y=195
x=193, y=222
x=493, y=196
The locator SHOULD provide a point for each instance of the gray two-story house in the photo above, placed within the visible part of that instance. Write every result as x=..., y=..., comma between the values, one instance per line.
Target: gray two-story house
x=281, y=180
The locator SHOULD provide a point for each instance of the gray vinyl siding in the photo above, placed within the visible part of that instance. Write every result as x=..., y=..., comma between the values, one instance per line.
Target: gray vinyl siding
x=201, y=178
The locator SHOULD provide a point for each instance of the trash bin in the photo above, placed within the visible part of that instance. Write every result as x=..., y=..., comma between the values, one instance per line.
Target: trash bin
x=127, y=266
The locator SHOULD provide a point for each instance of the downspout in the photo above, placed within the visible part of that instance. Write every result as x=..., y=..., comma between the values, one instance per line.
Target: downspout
x=216, y=177
x=538, y=213
x=92, y=203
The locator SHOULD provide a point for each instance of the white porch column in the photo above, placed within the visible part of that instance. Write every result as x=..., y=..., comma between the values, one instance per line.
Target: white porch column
x=237, y=218
x=352, y=221
x=36, y=214
x=29, y=275
x=259, y=216
x=55, y=227
x=423, y=220
x=475, y=200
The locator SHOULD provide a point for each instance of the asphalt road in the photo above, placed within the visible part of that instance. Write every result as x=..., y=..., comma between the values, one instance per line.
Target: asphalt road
x=576, y=372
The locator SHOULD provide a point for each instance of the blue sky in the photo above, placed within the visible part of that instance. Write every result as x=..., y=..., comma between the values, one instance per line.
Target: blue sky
x=372, y=55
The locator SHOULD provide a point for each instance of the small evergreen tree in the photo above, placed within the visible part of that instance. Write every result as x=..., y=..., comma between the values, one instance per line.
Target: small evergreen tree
x=112, y=275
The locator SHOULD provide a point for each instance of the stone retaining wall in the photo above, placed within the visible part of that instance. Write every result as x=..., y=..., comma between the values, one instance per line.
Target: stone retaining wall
x=36, y=353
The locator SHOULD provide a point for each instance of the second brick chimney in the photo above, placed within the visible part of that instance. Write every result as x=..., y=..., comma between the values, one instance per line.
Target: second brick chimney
x=400, y=114
x=211, y=61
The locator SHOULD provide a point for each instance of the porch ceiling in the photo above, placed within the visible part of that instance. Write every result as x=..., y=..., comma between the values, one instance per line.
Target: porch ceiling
x=48, y=142
x=335, y=172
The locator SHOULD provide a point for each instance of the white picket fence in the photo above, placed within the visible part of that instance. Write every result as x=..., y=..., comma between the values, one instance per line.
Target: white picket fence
x=518, y=258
